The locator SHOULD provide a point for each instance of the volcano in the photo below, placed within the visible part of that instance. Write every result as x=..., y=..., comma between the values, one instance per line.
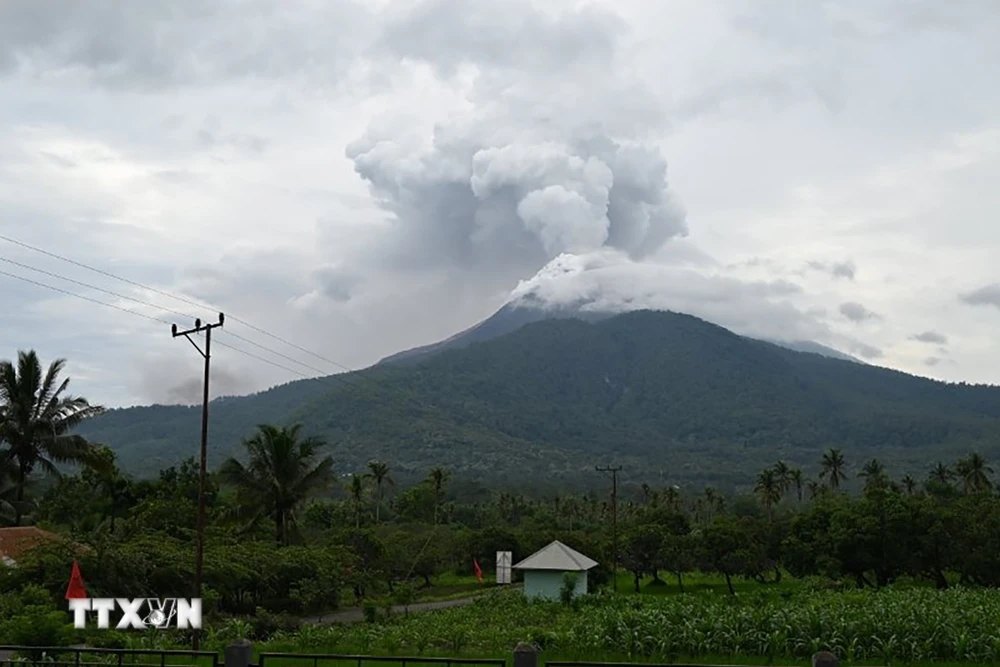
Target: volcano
x=528, y=310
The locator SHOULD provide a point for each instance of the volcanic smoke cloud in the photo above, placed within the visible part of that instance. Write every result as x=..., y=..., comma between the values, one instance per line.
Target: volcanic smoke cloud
x=523, y=204
x=554, y=194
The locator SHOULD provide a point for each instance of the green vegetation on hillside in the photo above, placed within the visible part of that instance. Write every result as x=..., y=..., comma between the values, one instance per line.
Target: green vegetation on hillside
x=654, y=391
x=895, y=568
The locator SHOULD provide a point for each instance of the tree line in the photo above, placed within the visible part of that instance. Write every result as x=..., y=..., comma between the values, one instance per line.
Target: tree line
x=327, y=539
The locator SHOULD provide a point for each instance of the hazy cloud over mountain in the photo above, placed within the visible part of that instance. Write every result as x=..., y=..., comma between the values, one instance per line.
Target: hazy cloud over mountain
x=931, y=337
x=361, y=177
x=856, y=312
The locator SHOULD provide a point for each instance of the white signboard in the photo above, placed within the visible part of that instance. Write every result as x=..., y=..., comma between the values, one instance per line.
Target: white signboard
x=504, y=563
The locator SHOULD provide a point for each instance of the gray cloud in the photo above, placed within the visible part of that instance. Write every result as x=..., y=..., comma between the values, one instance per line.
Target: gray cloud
x=608, y=281
x=988, y=295
x=846, y=269
x=188, y=391
x=537, y=172
x=148, y=44
x=336, y=282
x=932, y=361
x=856, y=312
x=449, y=33
x=865, y=350
x=930, y=337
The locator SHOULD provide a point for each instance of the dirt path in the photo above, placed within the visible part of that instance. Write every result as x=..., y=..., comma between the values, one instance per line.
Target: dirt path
x=357, y=614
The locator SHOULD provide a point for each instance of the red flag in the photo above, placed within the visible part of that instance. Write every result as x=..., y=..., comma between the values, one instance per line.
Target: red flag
x=75, y=588
x=479, y=570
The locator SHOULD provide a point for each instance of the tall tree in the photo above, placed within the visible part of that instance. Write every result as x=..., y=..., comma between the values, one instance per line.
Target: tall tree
x=783, y=475
x=909, y=485
x=36, y=417
x=974, y=473
x=8, y=491
x=873, y=472
x=768, y=490
x=378, y=472
x=797, y=480
x=672, y=497
x=834, y=468
x=438, y=477
x=280, y=476
x=356, y=490
x=941, y=474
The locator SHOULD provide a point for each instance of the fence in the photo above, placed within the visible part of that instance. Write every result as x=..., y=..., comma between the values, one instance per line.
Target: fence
x=239, y=655
x=69, y=656
x=291, y=660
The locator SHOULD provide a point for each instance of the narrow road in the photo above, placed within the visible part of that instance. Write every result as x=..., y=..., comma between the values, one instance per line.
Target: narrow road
x=357, y=613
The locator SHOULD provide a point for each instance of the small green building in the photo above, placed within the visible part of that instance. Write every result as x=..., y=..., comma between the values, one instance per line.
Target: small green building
x=544, y=570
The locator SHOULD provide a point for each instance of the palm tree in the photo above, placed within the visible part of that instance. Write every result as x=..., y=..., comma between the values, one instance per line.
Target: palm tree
x=873, y=473
x=378, y=471
x=356, y=489
x=36, y=418
x=941, y=474
x=795, y=477
x=279, y=477
x=672, y=497
x=783, y=474
x=8, y=514
x=909, y=485
x=834, y=466
x=646, y=493
x=814, y=488
x=438, y=477
x=974, y=473
x=768, y=489
x=713, y=500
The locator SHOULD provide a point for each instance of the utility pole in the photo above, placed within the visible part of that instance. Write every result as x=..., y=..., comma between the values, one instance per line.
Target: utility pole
x=200, y=544
x=614, y=519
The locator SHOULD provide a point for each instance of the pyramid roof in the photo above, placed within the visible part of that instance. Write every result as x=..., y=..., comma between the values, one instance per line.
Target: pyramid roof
x=557, y=556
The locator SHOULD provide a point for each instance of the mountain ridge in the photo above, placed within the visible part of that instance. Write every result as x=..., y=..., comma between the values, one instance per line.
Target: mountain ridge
x=516, y=314
x=653, y=390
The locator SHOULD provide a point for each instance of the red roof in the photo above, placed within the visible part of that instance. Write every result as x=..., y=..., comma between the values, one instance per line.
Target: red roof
x=15, y=541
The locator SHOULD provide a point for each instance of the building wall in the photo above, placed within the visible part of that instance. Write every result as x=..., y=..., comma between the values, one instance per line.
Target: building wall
x=546, y=584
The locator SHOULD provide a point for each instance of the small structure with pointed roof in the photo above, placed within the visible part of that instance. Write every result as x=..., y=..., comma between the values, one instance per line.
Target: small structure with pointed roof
x=544, y=570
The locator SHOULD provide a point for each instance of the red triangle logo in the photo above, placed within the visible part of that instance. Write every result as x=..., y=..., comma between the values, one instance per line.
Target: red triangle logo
x=75, y=588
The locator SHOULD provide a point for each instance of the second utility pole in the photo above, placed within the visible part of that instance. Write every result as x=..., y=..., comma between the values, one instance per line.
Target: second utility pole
x=200, y=544
x=614, y=519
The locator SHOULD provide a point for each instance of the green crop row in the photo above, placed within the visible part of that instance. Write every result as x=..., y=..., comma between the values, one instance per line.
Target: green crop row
x=888, y=626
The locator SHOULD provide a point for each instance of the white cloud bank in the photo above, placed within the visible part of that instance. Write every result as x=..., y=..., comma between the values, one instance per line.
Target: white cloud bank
x=364, y=177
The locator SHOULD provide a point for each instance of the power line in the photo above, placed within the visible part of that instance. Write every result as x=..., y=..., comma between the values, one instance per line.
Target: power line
x=171, y=296
x=251, y=355
x=95, y=287
x=335, y=377
x=144, y=316
x=102, y=272
x=85, y=298
x=169, y=310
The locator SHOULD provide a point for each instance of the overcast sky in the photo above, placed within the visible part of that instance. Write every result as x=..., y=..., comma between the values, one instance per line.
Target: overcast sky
x=359, y=178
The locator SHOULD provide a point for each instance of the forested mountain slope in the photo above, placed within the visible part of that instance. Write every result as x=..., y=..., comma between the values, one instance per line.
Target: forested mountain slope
x=671, y=397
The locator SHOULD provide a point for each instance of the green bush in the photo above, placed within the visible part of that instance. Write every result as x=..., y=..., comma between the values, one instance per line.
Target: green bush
x=264, y=624
x=568, y=590
x=37, y=626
